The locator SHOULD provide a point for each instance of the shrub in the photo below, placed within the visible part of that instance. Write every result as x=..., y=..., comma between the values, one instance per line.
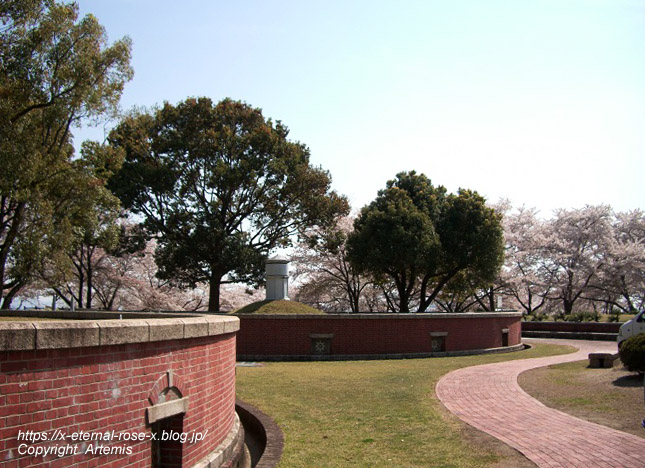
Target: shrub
x=559, y=315
x=541, y=316
x=536, y=317
x=583, y=317
x=614, y=315
x=632, y=353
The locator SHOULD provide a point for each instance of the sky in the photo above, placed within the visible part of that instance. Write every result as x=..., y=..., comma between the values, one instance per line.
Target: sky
x=540, y=102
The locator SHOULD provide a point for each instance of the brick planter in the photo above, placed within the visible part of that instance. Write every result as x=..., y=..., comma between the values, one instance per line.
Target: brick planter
x=365, y=336
x=124, y=379
x=571, y=330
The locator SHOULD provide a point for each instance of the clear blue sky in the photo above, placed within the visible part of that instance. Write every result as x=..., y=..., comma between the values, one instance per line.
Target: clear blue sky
x=541, y=102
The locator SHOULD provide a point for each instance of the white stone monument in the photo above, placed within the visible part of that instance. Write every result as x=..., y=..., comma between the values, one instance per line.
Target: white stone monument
x=277, y=276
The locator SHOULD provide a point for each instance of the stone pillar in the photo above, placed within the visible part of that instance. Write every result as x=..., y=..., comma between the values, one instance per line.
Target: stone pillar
x=277, y=276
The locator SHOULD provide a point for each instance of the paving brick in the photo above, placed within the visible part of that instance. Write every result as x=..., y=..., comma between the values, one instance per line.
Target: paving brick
x=497, y=405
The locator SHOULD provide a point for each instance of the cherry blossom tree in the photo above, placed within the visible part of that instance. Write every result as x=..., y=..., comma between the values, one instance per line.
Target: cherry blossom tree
x=144, y=290
x=526, y=277
x=326, y=277
x=622, y=281
x=576, y=248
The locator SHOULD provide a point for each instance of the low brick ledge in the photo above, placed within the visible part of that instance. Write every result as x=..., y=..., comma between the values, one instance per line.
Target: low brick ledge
x=259, y=425
x=90, y=330
x=396, y=316
x=570, y=335
x=372, y=357
x=231, y=449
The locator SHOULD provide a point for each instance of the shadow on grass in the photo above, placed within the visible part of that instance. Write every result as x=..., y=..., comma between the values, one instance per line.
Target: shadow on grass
x=631, y=380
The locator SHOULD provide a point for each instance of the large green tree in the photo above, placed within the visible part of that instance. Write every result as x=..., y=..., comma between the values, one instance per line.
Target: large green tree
x=420, y=238
x=94, y=230
x=56, y=71
x=220, y=186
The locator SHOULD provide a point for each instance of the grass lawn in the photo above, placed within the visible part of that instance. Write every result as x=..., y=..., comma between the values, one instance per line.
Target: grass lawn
x=374, y=413
x=277, y=308
x=611, y=397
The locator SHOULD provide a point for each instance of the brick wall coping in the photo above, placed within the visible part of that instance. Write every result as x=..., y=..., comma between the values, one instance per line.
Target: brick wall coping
x=407, y=316
x=106, y=328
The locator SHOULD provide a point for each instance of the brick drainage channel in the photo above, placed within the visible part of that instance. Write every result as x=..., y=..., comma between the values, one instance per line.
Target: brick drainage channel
x=262, y=436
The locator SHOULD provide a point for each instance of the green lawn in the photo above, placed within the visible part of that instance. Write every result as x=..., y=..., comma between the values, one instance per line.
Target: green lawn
x=611, y=397
x=277, y=308
x=373, y=413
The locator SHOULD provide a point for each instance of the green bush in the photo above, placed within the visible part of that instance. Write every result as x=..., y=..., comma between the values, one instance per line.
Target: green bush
x=632, y=353
x=583, y=317
x=614, y=315
x=536, y=317
x=559, y=316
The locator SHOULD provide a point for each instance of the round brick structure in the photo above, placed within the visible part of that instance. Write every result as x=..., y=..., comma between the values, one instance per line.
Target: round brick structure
x=152, y=390
x=375, y=336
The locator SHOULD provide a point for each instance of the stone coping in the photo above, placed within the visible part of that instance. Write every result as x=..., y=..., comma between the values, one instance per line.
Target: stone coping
x=396, y=316
x=105, y=328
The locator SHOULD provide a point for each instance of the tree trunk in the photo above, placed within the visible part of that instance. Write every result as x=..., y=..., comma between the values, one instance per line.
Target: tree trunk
x=353, y=295
x=426, y=301
x=81, y=279
x=355, y=305
x=88, y=303
x=6, y=247
x=568, y=307
x=213, y=293
x=491, y=299
x=8, y=298
x=404, y=299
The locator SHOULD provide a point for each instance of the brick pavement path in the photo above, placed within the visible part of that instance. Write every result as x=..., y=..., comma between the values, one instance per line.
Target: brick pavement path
x=489, y=398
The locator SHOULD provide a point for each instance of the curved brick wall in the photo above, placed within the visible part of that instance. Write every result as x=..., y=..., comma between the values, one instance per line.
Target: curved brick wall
x=585, y=327
x=571, y=330
x=373, y=335
x=119, y=375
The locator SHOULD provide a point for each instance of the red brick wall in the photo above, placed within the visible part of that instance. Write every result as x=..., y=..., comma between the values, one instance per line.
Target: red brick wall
x=365, y=334
x=593, y=327
x=107, y=388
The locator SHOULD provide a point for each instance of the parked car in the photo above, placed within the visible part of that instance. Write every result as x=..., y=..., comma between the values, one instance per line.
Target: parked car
x=632, y=327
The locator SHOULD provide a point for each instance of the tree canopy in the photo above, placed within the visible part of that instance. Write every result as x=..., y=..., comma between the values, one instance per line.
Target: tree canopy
x=420, y=237
x=221, y=187
x=55, y=72
x=327, y=279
